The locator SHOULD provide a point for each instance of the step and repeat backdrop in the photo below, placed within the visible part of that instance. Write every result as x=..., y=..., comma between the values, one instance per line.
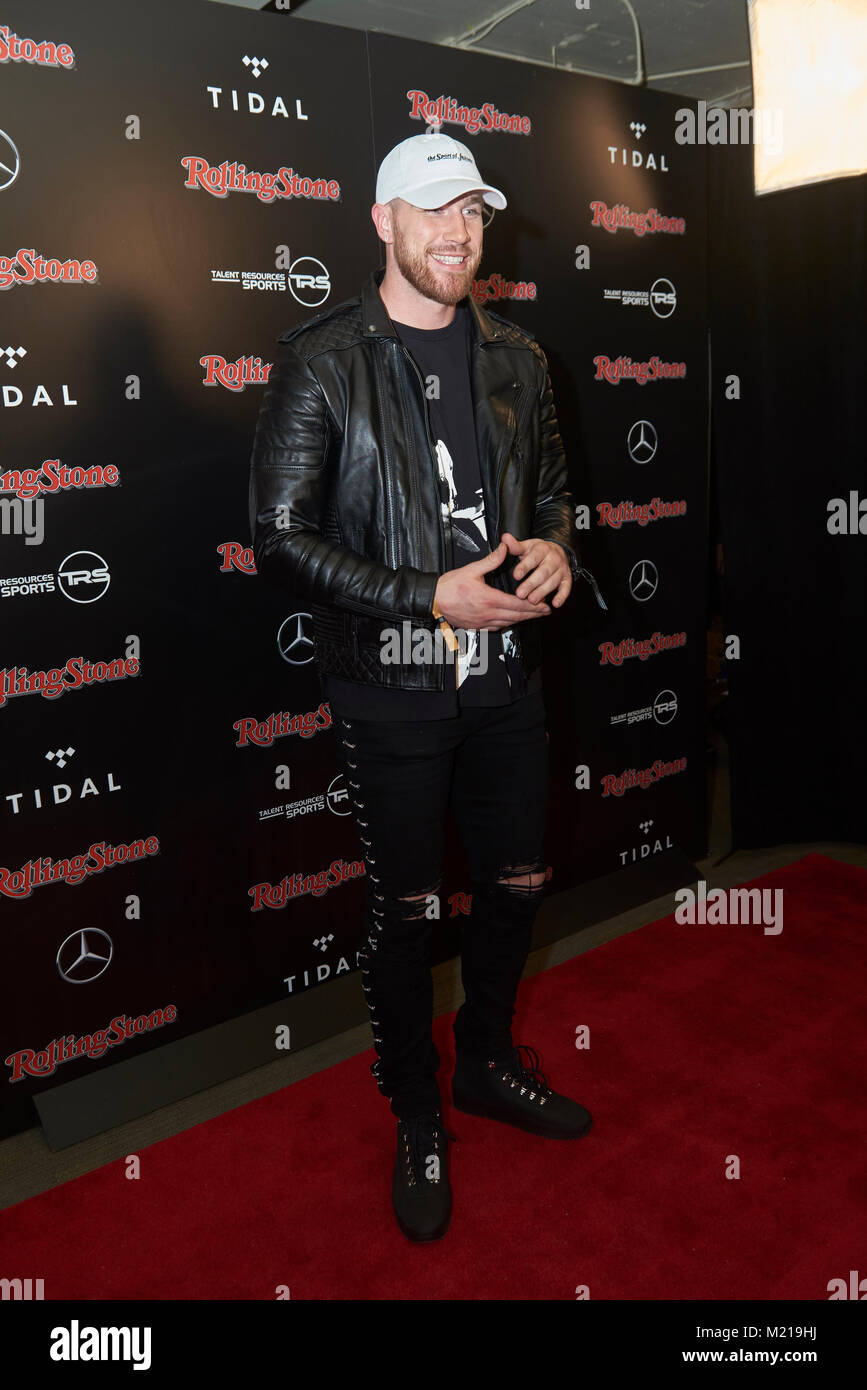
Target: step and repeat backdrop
x=177, y=188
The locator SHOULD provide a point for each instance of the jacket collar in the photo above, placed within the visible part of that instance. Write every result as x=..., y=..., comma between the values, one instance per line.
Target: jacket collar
x=376, y=322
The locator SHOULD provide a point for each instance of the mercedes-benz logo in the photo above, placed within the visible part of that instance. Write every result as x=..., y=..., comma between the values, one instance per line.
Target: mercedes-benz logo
x=663, y=298
x=643, y=580
x=665, y=707
x=337, y=797
x=10, y=160
x=84, y=955
x=293, y=643
x=642, y=441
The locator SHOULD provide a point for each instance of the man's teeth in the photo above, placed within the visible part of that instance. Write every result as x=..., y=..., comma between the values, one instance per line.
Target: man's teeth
x=449, y=260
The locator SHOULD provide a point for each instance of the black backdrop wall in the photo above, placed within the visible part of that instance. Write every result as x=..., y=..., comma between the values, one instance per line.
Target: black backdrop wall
x=174, y=845
x=787, y=275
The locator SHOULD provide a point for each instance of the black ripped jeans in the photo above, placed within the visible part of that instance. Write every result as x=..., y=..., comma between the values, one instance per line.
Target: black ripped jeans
x=490, y=766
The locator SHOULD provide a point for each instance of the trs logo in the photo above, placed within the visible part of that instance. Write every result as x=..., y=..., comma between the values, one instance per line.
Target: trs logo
x=308, y=287
x=83, y=576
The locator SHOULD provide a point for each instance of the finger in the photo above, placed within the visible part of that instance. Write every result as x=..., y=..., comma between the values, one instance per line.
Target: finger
x=545, y=568
x=563, y=592
x=532, y=556
x=515, y=546
x=544, y=582
x=488, y=562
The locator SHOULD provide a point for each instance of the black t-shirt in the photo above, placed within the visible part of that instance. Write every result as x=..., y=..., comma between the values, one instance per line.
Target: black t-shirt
x=486, y=670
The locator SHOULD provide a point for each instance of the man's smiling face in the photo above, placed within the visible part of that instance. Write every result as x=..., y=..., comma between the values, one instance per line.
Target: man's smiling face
x=438, y=250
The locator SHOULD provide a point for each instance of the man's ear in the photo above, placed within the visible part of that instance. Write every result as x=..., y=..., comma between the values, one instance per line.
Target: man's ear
x=383, y=220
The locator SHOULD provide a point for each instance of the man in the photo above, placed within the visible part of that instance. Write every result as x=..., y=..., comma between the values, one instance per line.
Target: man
x=409, y=480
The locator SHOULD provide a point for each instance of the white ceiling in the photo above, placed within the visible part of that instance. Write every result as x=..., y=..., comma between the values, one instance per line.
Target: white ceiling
x=696, y=48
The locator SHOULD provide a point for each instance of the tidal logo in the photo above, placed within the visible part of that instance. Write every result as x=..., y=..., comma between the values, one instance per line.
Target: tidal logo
x=255, y=104
x=635, y=158
x=648, y=846
x=13, y=396
x=61, y=792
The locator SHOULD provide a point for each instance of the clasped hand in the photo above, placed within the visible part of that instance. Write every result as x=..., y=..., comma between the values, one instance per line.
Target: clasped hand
x=466, y=601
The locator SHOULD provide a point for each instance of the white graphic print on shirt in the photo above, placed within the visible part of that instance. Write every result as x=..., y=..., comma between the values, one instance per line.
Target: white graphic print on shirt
x=474, y=514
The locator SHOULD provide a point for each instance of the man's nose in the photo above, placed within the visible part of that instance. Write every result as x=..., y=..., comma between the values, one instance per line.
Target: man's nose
x=457, y=228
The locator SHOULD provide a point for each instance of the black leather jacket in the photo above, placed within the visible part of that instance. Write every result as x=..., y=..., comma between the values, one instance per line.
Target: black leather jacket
x=344, y=494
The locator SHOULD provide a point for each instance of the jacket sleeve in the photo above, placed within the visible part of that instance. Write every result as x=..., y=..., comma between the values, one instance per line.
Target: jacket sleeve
x=288, y=500
x=555, y=518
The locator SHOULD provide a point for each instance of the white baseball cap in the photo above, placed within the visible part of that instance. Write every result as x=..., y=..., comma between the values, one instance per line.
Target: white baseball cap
x=430, y=170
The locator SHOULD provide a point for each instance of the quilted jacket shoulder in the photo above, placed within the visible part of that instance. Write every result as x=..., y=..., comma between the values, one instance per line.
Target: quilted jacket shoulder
x=338, y=327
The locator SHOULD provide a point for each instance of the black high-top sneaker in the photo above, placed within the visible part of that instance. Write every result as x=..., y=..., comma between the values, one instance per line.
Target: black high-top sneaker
x=420, y=1188
x=502, y=1088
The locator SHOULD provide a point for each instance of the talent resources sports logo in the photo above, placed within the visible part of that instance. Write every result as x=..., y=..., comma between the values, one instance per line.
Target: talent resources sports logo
x=244, y=371
x=222, y=179
x=277, y=895
x=29, y=1062
x=663, y=710
x=262, y=733
x=38, y=873
x=495, y=287
x=617, y=783
x=621, y=218
x=444, y=110
x=624, y=369
x=83, y=577
x=615, y=514
x=307, y=280
x=661, y=298
x=45, y=53
x=615, y=653
x=29, y=267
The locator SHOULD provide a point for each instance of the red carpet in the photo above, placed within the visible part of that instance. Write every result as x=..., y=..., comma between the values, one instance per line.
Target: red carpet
x=706, y=1042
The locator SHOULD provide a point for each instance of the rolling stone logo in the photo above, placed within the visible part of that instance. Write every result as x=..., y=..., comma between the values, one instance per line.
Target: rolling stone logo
x=44, y=53
x=614, y=514
x=236, y=556
x=222, y=179
x=624, y=369
x=54, y=477
x=495, y=287
x=262, y=733
x=245, y=371
x=622, y=218
x=445, y=110
x=618, y=783
x=615, y=653
x=75, y=674
x=28, y=267
x=277, y=895
x=38, y=873
x=28, y=1062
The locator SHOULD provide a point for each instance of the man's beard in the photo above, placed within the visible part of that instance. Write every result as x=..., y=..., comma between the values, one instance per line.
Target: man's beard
x=416, y=267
